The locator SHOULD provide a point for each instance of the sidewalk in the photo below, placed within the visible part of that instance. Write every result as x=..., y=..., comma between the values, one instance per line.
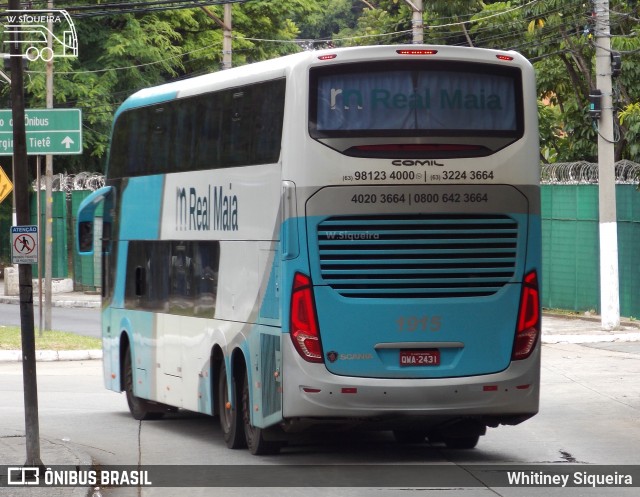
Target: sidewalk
x=69, y=299
x=13, y=453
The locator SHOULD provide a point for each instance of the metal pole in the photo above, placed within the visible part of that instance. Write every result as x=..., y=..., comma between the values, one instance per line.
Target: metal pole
x=39, y=218
x=609, y=283
x=32, y=427
x=417, y=20
x=227, y=47
x=48, y=227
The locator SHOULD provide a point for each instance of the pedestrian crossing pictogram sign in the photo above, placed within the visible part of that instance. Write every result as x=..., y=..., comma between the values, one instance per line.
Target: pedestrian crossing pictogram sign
x=24, y=244
x=5, y=185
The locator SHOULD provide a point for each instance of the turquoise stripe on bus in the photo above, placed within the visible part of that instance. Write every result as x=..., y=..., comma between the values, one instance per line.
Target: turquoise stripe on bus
x=142, y=198
x=146, y=98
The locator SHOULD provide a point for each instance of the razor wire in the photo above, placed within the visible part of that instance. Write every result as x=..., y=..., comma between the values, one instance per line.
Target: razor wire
x=71, y=182
x=586, y=173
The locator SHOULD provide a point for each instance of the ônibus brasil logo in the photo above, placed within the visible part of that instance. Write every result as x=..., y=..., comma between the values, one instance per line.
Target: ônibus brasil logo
x=33, y=28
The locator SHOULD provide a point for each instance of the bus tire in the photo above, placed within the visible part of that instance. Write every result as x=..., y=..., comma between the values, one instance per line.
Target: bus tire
x=463, y=443
x=140, y=409
x=409, y=436
x=256, y=442
x=230, y=417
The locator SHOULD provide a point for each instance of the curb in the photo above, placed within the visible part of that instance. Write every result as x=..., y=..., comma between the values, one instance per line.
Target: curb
x=55, y=303
x=52, y=355
x=614, y=337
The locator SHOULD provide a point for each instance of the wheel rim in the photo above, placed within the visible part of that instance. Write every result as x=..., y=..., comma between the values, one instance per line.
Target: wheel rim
x=225, y=413
x=249, y=429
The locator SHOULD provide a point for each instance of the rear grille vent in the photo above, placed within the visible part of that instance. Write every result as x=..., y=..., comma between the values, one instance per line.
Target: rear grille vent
x=417, y=256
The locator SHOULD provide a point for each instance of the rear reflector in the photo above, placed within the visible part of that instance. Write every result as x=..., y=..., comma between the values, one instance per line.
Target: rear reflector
x=311, y=390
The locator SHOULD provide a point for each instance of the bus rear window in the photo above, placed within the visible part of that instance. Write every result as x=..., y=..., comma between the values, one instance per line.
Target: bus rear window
x=415, y=99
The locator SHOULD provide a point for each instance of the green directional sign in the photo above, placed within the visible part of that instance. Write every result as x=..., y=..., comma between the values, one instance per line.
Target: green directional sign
x=49, y=132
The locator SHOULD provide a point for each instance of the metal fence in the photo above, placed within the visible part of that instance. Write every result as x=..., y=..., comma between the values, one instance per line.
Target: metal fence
x=72, y=182
x=570, y=231
x=586, y=173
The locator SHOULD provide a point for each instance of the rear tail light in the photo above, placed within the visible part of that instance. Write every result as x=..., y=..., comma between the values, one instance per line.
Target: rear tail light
x=304, y=330
x=426, y=147
x=528, y=328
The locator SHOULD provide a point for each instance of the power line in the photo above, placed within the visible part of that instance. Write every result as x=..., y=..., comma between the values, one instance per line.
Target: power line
x=115, y=8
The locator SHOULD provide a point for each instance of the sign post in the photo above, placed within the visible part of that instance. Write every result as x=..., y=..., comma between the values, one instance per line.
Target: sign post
x=19, y=151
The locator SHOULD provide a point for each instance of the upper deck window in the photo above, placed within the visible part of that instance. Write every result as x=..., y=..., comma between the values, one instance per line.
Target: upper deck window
x=415, y=98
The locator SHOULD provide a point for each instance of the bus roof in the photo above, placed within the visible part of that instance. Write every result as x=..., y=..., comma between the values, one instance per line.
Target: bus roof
x=282, y=66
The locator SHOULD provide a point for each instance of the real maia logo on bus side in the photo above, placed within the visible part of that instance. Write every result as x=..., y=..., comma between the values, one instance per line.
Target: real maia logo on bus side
x=210, y=209
x=446, y=98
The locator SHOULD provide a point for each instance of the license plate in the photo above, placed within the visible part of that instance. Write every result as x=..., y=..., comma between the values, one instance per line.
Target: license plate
x=427, y=357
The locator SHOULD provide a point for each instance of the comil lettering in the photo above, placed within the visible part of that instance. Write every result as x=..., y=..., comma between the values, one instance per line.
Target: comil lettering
x=206, y=209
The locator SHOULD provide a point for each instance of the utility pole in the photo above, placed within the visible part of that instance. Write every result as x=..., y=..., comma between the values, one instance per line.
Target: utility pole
x=48, y=209
x=227, y=48
x=417, y=21
x=20, y=192
x=226, y=25
x=609, y=283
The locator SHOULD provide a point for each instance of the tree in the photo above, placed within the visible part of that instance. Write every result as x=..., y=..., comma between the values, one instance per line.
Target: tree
x=122, y=53
x=558, y=36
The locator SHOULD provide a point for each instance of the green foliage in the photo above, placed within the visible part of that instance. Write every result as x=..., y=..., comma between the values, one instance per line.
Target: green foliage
x=120, y=54
x=630, y=119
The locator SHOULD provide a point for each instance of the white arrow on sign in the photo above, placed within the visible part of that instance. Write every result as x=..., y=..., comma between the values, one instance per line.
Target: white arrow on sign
x=67, y=142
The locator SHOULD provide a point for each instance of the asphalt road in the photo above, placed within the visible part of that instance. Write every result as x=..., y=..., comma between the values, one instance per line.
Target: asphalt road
x=590, y=407
x=83, y=321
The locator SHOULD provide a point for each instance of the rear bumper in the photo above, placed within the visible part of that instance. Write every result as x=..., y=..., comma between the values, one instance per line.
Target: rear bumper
x=311, y=391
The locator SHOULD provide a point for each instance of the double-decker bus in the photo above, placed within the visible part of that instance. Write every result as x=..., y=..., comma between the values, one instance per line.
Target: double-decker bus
x=342, y=237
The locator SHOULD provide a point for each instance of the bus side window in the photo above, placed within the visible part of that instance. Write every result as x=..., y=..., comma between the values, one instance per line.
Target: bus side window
x=85, y=229
x=140, y=281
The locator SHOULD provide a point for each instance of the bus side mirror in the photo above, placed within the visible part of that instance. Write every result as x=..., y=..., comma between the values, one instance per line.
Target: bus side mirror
x=85, y=236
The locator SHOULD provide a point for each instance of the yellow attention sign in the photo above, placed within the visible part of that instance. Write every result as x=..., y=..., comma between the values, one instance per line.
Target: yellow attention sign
x=5, y=185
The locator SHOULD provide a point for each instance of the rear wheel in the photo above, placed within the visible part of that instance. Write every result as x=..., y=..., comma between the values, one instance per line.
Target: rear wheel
x=140, y=409
x=255, y=436
x=409, y=436
x=468, y=442
x=230, y=417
